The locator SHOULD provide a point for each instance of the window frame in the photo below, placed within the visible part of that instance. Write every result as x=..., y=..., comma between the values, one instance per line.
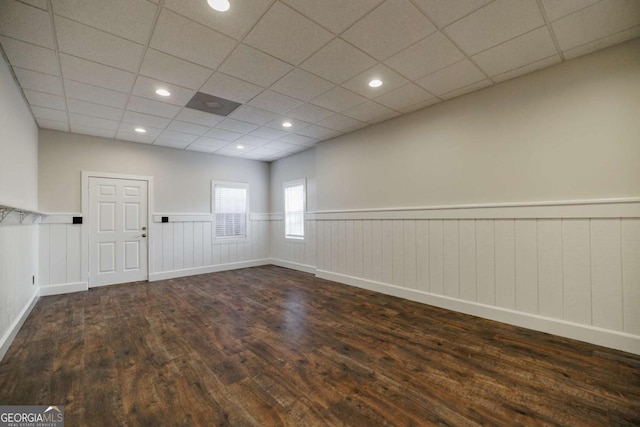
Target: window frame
x=295, y=183
x=232, y=239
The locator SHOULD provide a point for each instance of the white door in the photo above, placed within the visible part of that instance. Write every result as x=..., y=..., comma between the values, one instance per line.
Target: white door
x=117, y=231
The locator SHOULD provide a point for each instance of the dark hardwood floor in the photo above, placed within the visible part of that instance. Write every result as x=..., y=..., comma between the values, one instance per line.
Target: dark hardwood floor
x=269, y=346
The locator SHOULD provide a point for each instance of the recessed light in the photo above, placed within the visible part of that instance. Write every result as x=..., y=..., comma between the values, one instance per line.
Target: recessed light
x=140, y=130
x=286, y=125
x=219, y=5
x=240, y=147
x=375, y=83
x=163, y=92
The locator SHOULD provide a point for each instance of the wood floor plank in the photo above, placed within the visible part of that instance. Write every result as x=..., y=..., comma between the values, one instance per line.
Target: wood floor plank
x=269, y=346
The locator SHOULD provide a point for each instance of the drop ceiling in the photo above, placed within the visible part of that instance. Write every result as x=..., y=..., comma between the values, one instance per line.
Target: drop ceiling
x=92, y=66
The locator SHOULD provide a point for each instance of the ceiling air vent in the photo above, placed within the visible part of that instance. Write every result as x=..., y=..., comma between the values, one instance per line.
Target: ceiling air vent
x=212, y=104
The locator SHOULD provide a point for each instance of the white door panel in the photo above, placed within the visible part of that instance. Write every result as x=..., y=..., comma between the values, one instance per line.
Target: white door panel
x=117, y=231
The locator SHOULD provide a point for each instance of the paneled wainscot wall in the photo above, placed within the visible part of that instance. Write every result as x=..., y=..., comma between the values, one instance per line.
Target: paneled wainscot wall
x=568, y=268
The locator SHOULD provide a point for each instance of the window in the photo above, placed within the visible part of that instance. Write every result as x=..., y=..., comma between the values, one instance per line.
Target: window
x=294, y=207
x=230, y=208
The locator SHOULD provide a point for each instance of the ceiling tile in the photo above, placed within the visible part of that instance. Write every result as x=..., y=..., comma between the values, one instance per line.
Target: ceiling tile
x=421, y=105
x=453, y=77
x=49, y=114
x=185, y=39
x=336, y=15
x=404, y=97
x=131, y=19
x=341, y=123
x=155, y=108
x=273, y=101
x=201, y=148
x=391, y=27
x=181, y=145
x=516, y=53
x=185, y=127
x=444, y=12
x=211, y=142
x=98, y=46
x=254, y=66
x=595, y=22
x=338, y=99
x=495, y=23
x=253, y=141
x=41, y=4
x=269, y=133
x=310, y=113
x=230, y=152
x=177, y=136
x=250, y=114
x=351, y=60
x=145, y=120
x=95, y=74
x=97, y=95
x=260, y=153
x=31, y=57
x=94, y=131
x=467, y=89
x=37, y=81
x=26, y=23
x=173, y=70
x=298, y=139
x=390, y=80
x=280, y=146
x=611, y=40
x=558, y=8
x=236, y=126
x=301, y=85
x=296, y=124
x=41, y=99
x=53, y=124
x=228, y=87
x=385, y=117
x=95, y=122
x=287, y=35
x=425, y=57
x=319, y=132
x=198, y=117
x=223, y=134
x=235, y=22
x=134, y=137
x=95, y=110
x=146, y=88
x=529, y=68
x=129, y=129
x=368, y=112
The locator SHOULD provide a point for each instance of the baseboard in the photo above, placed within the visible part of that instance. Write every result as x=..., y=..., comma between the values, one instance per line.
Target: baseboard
x=293, y=265
x=64, y=288
x=154, y=277
x=591, y=334
x=10, y=335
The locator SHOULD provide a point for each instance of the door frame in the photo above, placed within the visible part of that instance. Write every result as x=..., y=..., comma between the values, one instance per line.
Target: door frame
x=84, y=261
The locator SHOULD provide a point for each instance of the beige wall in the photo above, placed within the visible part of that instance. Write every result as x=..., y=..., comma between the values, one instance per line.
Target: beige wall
x=568, y=132
x=182, y=179
x=18, y=146
x=300, y=165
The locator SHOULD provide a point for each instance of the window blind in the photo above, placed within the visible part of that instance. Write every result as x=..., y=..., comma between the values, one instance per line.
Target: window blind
x=231, y=212
x=294, y=211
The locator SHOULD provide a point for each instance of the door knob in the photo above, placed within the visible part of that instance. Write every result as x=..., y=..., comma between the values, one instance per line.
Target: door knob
x=144, y=228
x=144, y=235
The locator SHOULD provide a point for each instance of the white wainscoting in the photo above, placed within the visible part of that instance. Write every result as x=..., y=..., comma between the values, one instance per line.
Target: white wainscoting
x=185, y=247
x=60, y=255
x=18, y=268
x=295, y=254
x=576, y=277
